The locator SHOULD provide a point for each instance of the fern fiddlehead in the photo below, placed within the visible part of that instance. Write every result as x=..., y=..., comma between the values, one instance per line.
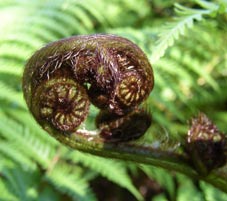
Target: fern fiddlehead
x=206, y=145
x=61, y=79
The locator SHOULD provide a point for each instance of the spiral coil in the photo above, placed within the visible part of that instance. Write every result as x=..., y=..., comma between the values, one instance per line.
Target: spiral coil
x=61, y=80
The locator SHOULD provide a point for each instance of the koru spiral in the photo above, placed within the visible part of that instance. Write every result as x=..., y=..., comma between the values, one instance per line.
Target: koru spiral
x=62, y=79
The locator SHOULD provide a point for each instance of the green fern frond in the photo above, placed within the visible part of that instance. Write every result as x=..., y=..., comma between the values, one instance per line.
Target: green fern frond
x=70, y=183
x=143, y=37
x=11, y=80
x=163, y=177
x=188, y=184
x=21, y=184
x=113, y=170
x=94, y=9
x=12, y=96
x=33, y=38
x=173, y=30
x=195, y=66
x=12, y=50
x=211, y=193
x=13, y=67
x=80, y=14
x=220, y=7
x=209, y=97
x=24, y=141
x=47, y=192
x=6, y=194
x=9, y=151
x=61, y=18
x=25, y=119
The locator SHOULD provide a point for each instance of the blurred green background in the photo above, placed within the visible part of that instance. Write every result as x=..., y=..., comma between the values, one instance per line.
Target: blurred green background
x=186, y=42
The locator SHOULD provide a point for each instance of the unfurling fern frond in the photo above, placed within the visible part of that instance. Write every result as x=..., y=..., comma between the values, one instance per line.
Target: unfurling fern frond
x=191, y=77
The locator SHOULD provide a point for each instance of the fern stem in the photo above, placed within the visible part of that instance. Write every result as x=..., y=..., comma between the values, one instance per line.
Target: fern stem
x=141, y=154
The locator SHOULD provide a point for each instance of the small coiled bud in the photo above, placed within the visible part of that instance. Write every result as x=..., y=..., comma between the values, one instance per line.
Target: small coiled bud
x=206, y=145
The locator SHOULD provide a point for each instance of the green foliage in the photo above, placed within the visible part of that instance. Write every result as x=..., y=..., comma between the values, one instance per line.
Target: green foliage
x=189, y=57
x=104, y=167
x=212, y=194
x=67, y=179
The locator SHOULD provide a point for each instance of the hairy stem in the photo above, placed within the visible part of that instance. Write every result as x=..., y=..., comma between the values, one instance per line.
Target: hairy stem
x=131, y=151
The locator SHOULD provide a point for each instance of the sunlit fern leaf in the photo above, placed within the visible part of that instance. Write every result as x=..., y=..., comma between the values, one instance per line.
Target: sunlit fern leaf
x=21, y=183
x=221, y=119
x=25, y=118
x=166, y=97
x=13, y=66
x=208, y=5
x=33, y=37
x=140, y=7
x=61, y=18
x=188, y=184
x=76, y=12
x=9, y=19
x=173, y=30
x=142, y=37
x=94, y=9
x=163, y=177
x=211, y=193
x=72, y=184
x=12, y=96
x=51, y=17
x=52, y=26
x=10, y=85
x=8, y=151
x=173, y=68
x=113, y=170
x=6, y=194
x=207, y=98
x=11, y=80
x=11, y=50
x=130, y=10
x=24, y=141
x=173, y=91
x=197, y=67
x=21, y=39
